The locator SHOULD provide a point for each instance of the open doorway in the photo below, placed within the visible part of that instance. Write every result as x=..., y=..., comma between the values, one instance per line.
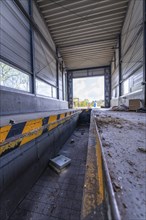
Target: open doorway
x=88, y=92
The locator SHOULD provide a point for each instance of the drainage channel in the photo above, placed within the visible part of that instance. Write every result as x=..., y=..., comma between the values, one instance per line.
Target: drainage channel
x=82, y=191
x=59, y=196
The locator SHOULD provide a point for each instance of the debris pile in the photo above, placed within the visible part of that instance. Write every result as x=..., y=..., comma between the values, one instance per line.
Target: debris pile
x=120, y=108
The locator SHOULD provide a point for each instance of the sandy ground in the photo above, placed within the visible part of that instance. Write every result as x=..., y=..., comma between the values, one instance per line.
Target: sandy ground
x=123, y=136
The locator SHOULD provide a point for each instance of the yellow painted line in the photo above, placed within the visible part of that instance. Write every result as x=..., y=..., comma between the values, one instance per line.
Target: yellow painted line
x=30, y=137
x=10, y=145
x=100, y=196
x=29, y=127
x=32, y=125
x=52, y=119
x=68, y=114
x=4, y=132
x=62, y=116
x=52, y=126
x=32, y=130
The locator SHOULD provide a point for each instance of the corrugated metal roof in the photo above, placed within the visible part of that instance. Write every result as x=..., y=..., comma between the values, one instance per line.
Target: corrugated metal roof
x=85, y=31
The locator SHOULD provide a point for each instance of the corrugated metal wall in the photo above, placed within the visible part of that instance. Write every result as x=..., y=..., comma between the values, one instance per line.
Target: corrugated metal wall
x=45, y=63
x=29, y=46
x=15, y=35
x=132, y=46
x=131, y=53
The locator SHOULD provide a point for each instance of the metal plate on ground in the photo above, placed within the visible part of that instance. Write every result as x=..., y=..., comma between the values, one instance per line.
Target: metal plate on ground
x=60, y=162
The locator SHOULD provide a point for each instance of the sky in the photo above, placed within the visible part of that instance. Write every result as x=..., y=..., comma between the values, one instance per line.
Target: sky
x=89, y=88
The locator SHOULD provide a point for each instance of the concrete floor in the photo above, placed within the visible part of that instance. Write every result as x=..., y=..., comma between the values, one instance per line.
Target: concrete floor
x=59, y=196
x=122, y=134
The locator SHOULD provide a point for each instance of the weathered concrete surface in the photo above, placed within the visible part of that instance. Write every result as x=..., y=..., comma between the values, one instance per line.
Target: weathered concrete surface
x=59, y=196
x=19, y=169
x=123, y=133
x=18, y=118
x=19, y=102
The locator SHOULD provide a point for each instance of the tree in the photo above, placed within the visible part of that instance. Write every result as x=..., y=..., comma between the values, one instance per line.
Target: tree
x=14, y=78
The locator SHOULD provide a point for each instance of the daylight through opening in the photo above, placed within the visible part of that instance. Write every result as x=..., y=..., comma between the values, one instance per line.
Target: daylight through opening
x=88, y=92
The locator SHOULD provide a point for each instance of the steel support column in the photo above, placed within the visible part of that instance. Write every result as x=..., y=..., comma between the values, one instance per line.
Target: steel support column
x=144, y=50
x=57, y=73
x=120, y=67
x=33, y=78
x=70, y=89
x=62, y=81
x=107, y=87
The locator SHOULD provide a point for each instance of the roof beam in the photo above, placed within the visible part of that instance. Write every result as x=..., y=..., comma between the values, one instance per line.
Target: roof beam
x=89, y=42
x=91, y=68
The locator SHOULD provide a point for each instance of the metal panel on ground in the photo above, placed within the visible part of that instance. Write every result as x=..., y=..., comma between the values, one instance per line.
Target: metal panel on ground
x=15, y=36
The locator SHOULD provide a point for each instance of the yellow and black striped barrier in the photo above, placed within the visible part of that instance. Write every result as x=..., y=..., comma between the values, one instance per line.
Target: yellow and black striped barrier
x=14, y=136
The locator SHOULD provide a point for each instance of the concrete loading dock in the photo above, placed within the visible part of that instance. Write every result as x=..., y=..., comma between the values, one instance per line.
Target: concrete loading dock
x=45, y=44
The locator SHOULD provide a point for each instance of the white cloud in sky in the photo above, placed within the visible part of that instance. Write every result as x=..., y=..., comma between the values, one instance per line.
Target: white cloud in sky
x=89, y=88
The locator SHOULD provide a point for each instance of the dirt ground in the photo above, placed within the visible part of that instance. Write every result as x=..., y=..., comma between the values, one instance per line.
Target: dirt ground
x=123, y=136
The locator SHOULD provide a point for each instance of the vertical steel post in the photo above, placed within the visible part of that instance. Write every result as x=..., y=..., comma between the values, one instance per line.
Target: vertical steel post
x=33, y=78
x=62, y=82
x=107, y=87
x=144, y=50
x=120, y=67
x=70, y=89
x=57, y=73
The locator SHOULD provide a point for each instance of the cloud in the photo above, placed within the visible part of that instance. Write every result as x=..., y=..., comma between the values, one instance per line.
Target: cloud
x=89, y=88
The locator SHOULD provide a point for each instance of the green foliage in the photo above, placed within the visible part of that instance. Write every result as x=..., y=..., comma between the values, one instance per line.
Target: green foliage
x=87, y=103
x=13, y=78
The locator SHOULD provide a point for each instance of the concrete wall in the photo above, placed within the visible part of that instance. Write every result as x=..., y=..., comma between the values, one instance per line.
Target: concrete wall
x=124, y=100
x=15, y=102
x=20, y=168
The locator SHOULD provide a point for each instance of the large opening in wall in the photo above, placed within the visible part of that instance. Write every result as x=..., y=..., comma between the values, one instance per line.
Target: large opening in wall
x=88, y=92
